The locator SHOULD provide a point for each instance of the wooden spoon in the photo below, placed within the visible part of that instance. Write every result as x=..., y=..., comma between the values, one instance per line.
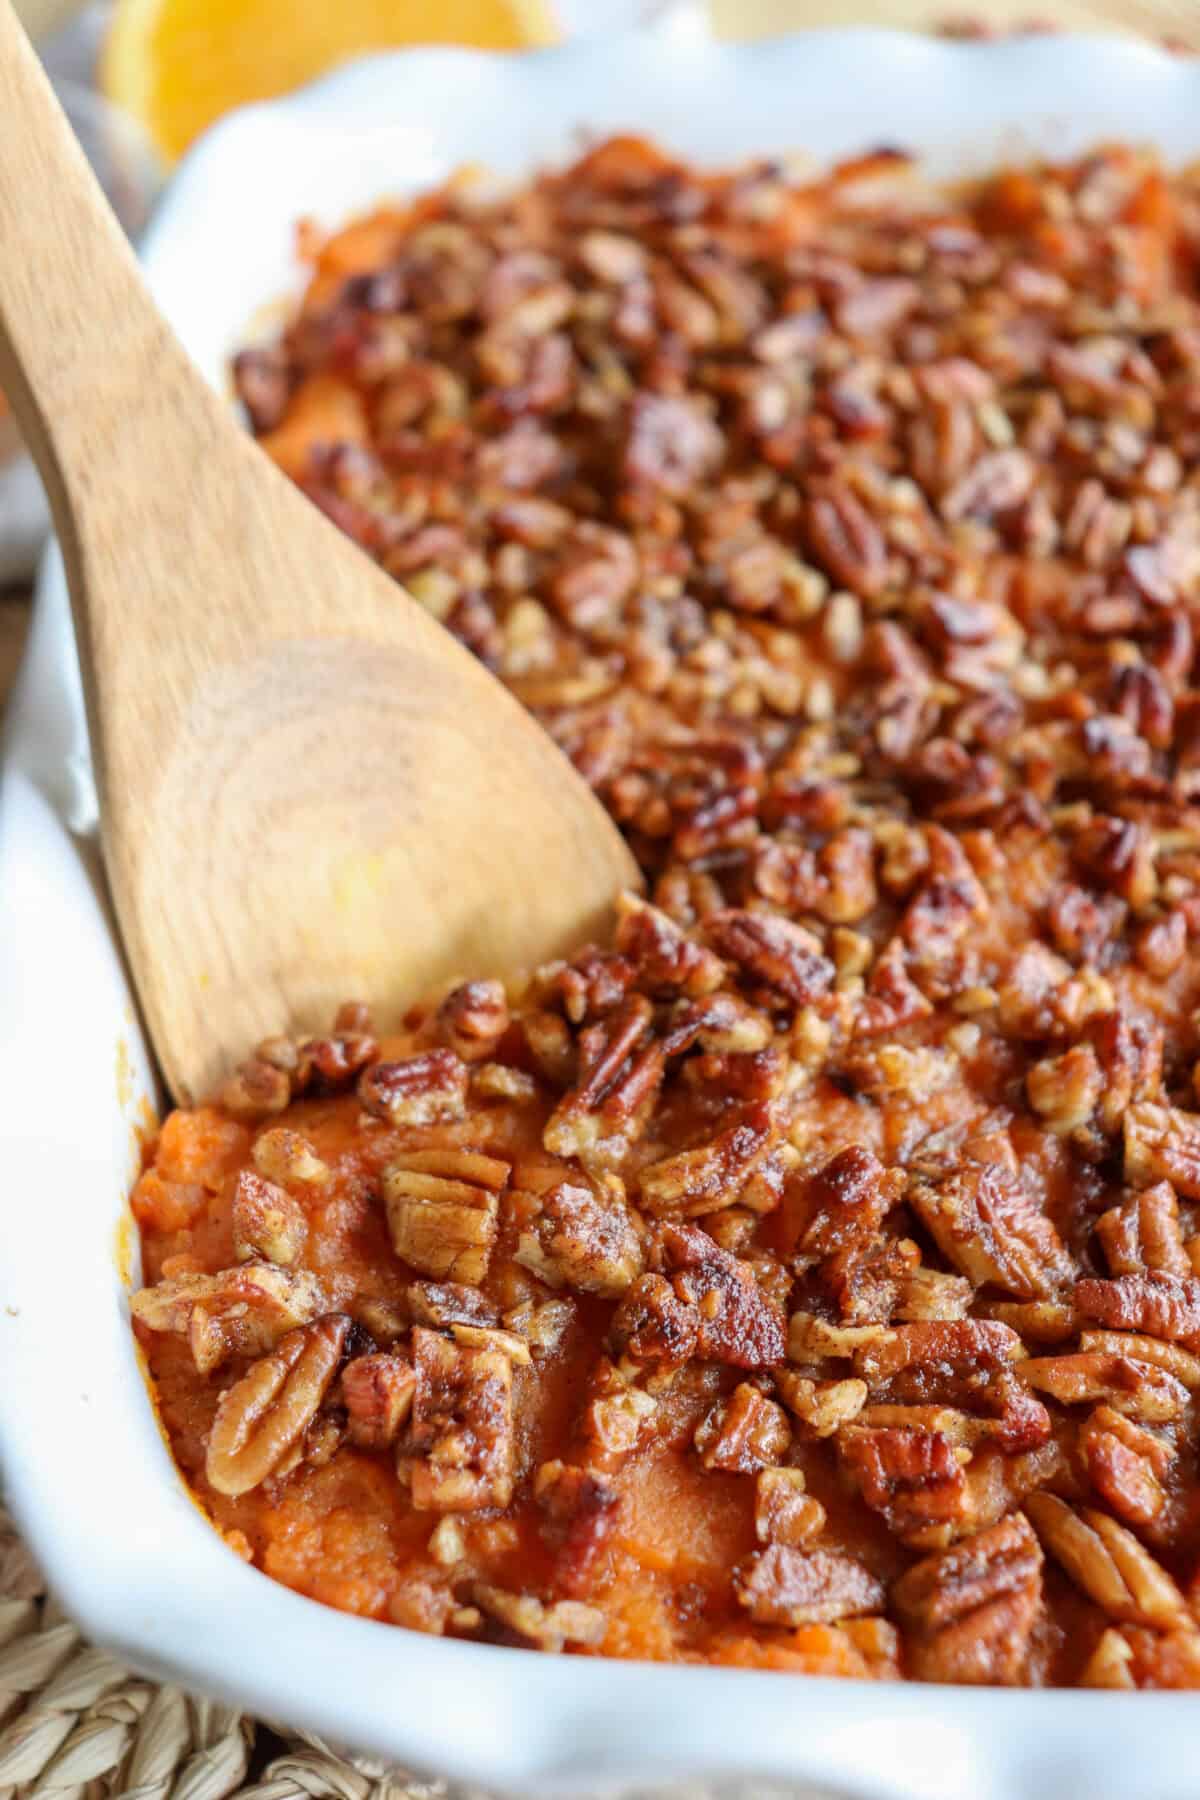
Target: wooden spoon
x=309, y=791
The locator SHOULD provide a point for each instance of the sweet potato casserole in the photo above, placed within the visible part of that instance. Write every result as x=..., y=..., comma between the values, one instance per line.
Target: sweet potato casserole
x=809, y=1278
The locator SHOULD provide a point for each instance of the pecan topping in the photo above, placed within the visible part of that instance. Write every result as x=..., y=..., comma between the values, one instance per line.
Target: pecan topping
x=845, y=536
x=417, y=1091
x=378, y=1394
x=239, y=1312
x=785, y=1586
x=575, y=1236
x=744, y=1433
x=442, y=1209
x=460, y=1450
x=986, y=1224
x=262, y=1416
x=1107, y=1562
x=970, y=1611
x=267, y=1222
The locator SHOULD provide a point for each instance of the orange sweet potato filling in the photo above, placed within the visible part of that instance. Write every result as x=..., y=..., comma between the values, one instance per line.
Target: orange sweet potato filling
x=808, y=1278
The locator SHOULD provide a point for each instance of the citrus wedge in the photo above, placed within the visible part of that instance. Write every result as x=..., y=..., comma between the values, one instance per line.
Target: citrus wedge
x=177, y=65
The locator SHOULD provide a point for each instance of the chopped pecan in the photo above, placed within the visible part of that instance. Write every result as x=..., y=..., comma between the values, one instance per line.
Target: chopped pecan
x=580, y=1507
x=822, y=1407
x=286, y=1157
x=1064, y=1089
x=970, y=1611
x=914, y=1478
x=418, y=1090
x=619, y=1077
x=266, y=1221
x=442, y=1208
x=711, y=1307
x=784, y=1513
x=1161, y=1306
x=263, y=1416
x=784, y=959
x=1143, y=1233
x=936, y=1348
x=1108, y=1563
x=238, y=1312
x=1126, y=1464
x=1136, y=1388
x=711, y=1176
x=744, y=1433
x=446, y=1303
x=378, y=1395
x=1162, y=1143
x=666, y=961
x=549, y=1627
x=848, y=1199
x=617, y=1417
x=460, y=1450
x=932, y=1294
x=983, y=1220
x=473, y=1018
x=782, y=1585
x=579, y=1236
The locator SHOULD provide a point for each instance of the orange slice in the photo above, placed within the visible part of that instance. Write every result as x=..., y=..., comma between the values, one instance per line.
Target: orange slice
x=177, y=65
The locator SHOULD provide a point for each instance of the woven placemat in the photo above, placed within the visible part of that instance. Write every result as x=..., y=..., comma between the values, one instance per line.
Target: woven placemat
x=75, y=1725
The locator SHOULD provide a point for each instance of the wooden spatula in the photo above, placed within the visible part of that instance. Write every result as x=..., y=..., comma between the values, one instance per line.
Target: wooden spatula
x=309, y=790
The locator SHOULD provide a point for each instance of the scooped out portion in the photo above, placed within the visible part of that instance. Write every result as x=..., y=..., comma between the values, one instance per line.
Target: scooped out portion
x=809, y=1278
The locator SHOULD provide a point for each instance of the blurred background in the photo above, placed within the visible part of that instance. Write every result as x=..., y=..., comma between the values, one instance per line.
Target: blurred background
x=141, y=79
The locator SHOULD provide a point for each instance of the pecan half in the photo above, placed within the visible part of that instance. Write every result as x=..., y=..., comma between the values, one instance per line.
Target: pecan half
x=1161, y=1306
x=1126, y=1465
x=983, y=1220
x=264, y=1415
x=969, y=1612
x=419, y=1090
x=1107, y=1562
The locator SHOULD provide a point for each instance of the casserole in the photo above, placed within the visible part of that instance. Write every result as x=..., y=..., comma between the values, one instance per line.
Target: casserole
x=163, y=1592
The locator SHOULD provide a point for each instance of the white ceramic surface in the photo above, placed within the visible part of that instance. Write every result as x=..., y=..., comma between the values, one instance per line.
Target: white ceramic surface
x=86, y=1472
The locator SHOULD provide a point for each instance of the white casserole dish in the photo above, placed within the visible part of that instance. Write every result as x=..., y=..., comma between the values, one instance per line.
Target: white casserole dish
x=86, y=1472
